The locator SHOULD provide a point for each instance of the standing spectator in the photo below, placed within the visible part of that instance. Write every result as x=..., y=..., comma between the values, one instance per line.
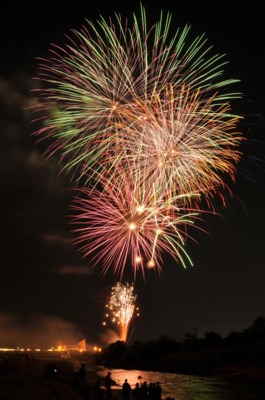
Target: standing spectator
x=108, y=382
x=82, y=373
x=79, y=380
x=126, y=390
x=157, y=391
x=144, y=391
x=137, y=392
x=151, y=391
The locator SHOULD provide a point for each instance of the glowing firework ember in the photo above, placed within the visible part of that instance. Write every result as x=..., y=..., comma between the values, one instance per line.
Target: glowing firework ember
x=144, y=117
x=121, y=307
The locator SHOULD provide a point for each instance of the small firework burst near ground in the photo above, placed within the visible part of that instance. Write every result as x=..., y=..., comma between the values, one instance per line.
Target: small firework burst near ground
x=121, y=308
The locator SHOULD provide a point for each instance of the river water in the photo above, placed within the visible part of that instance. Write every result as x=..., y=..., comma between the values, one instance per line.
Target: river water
x=189, y=387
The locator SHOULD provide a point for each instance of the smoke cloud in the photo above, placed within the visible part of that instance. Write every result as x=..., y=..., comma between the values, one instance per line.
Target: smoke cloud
x=37, y=331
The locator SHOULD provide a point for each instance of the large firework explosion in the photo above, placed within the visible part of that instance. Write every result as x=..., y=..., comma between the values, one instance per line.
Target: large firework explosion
x=142, y=118
x=121, y=308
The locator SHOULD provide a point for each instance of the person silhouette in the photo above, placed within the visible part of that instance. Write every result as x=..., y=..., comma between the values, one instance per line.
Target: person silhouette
x=144, y=391
x=82, y=373
x=126, y=389
x=108, y=382
x=158, y=391
x=137, y=392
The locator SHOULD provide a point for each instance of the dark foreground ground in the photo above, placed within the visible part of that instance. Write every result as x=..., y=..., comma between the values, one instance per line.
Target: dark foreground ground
x=27, y=378
x=24, y=378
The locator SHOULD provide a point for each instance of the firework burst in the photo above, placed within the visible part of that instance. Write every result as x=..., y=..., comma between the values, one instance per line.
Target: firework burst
x=181, y=143
x=113, y=86
x=144, y=119
x=125, y=221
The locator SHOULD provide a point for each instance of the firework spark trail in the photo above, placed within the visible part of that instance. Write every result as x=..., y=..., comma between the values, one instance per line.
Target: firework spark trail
x=129, y=221
x=143, y=117
x=121, y=307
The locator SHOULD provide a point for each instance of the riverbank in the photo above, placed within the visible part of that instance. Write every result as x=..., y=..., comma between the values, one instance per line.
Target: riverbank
x=25, y=378
x=46, y=379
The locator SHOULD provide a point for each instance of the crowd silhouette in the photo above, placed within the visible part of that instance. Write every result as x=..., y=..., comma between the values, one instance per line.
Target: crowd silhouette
x=143, y=391
x=102, y=389
x=139, y=391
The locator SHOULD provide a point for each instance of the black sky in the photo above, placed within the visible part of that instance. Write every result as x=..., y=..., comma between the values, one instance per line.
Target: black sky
x=47, y=291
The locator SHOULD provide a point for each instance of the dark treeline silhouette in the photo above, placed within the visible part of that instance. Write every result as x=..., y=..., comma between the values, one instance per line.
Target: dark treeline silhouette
x=209, y=355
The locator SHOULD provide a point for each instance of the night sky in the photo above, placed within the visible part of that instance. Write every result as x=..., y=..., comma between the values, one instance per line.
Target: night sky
x=48, y=292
